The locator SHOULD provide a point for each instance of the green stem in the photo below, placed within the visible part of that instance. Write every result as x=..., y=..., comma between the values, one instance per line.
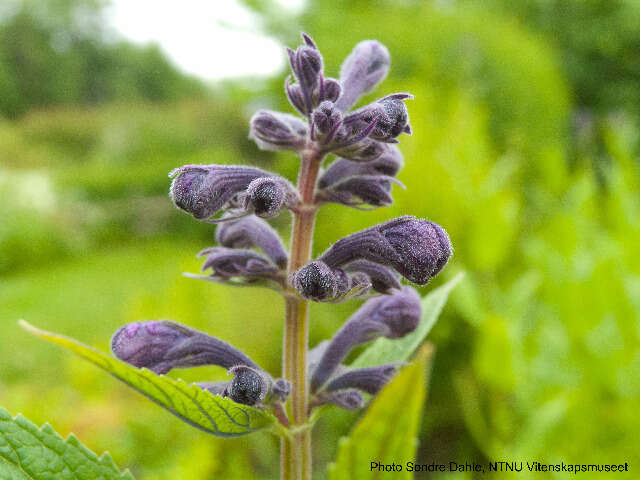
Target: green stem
x=296, y=452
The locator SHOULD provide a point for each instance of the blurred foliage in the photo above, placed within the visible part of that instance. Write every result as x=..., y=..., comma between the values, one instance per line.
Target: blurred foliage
x=525, y=149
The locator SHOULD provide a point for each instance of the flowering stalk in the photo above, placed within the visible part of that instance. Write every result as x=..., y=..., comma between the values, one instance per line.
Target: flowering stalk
x=366, y=264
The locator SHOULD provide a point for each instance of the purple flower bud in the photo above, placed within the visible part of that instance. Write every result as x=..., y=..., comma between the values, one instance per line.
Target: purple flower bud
x=325, y=119
x=249, y=386
x=390, y=115
x=250, y=232
x=364, y=68
x=330, y=90
x=227, y=263
x=369, y=380
x=267, y=196
x=383, y=279
x=316, y=281
x=306, y=63
x=277, y=131
x=374, y=190
x=389, y=163
x=162, y=345
x=366, y=150
x=390, y=316
x=347, y=399
x=417, y=249
x=202, y=190
x=295, y=96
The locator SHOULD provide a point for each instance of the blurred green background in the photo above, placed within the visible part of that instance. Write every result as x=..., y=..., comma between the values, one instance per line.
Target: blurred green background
x=525, y=148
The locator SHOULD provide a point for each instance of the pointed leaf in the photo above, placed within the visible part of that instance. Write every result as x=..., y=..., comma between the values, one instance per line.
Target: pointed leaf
x=385, y=350
x=387, y=433
x=212, y=413
x=31, y=453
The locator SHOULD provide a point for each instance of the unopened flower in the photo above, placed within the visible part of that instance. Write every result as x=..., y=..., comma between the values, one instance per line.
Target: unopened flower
x=366, y=150
x=267, y=196
x=369, y=380
x=383, y=279
x=250, y=232
x=323, y=284
x=389, y=115
x=277, y=131
x=416, y=248
x=374, y=190
x=227, y=263
x=389, y=164
x=390, y=316
x=364, y=68
x=162, y=346
x=202, y=190
x=249, y=386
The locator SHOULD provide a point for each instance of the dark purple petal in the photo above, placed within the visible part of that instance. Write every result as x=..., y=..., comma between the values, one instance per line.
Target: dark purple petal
x=418, y=249
x=364, y=68
x=369, y=380
x=250, y=232
x=162, y=345
x=202, y=190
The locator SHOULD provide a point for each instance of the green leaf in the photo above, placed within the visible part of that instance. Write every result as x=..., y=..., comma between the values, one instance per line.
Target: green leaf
x=28, y=452
x=384, y=350
x=212, y=413
x=387, y=433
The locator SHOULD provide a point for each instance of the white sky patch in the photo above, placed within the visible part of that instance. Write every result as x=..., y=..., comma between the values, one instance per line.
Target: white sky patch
x=212, y=39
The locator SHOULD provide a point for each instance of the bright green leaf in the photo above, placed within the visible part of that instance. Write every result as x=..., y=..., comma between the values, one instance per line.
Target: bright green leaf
x=384, y=350
x=212, y=413
x=387, y=433
x=31, y=453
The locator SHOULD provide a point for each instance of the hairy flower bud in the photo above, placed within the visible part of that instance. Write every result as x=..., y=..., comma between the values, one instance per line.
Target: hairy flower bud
x=365, y=150
x=277, y=131
x=281, y=390
x=390, y=316
x=249, y=386
x=325, y=119
x=374, y=190
x=227, y=263
x=389, y=164
x=416, y=248
x=330, y=90
x=250, y=232
x=369, y=380
x=267, y=196
x=347, y=399
x=306, y=64
x=364, y=68
x=389, y=114
x=315, y=281
x=202, y=190
x=163, y=345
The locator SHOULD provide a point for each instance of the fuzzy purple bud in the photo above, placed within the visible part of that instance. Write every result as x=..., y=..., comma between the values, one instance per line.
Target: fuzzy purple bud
x=306, y=64
x=347, y=399
x=383, y=279
x=250, y=232
x=325, y=118
x=162, y=345
x=266, y=197
x=330, y=90
x=390, y=316
x=366, y=150
x=249, y=386
x=315, y=281
x=417, y=249
x=227, y=263
x=390, y=115
x=281, y=390
x=369, y=380
x=389, y=164
x=374, y=190
x=365, y=67
x=202, y=190
x=277, y=131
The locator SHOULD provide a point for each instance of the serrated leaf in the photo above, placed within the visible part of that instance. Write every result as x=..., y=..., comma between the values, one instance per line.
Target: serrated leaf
x=385, y=350
x=31, y=453
x=212, y=413
x=387, y=433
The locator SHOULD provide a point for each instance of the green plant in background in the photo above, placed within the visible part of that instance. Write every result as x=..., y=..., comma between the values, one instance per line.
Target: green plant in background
x=364, y=264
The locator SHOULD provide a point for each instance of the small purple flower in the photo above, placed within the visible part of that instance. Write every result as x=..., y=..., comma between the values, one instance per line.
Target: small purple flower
x=162, y=346
x=369, y=380
x=202, y=190
x=228, y=263
x=277, y=131
x=389, y=115
x=267, y=196
x=365, y=67
x=389, y=164
x=416, y=248
x=250, y=232
x=374, y=190
x=390, y=316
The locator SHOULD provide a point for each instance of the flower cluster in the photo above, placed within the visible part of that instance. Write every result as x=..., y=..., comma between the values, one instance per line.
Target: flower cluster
x=370, y=263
